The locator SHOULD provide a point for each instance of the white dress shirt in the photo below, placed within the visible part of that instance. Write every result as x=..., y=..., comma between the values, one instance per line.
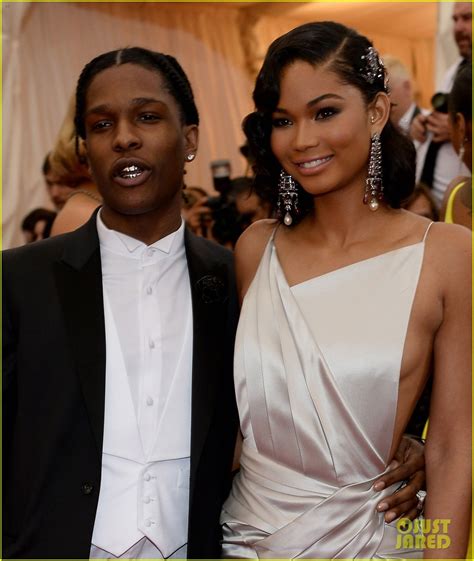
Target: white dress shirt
x=144, y=492
x=405, y=121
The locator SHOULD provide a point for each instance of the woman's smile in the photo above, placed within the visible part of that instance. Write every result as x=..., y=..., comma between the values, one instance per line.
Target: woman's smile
x=313, y=166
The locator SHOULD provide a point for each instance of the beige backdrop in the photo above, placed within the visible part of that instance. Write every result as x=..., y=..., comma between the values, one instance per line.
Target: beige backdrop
x=45, y=45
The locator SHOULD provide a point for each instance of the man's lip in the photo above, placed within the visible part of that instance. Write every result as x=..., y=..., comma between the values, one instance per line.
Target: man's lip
x=141, y=178
x=122, y=163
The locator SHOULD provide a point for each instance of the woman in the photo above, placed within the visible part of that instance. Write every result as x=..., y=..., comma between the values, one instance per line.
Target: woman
x=346, y=305
x=457, y=205
x=69, y=165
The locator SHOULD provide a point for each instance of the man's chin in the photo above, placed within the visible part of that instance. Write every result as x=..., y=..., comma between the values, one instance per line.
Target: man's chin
x=465, y=49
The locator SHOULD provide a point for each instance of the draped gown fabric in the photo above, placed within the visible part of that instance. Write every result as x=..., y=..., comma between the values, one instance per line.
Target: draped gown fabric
x=317, y=369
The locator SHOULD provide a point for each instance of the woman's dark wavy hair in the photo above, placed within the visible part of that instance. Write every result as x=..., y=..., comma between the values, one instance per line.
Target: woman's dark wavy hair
x=460, y=96
x=341, y=47
x=168, y=67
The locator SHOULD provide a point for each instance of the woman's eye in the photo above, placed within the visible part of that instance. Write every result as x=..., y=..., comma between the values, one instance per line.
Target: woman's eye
x=326, y=112
x=281, y=122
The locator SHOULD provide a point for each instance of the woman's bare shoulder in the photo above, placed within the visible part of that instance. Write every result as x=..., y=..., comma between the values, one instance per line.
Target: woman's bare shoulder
x=249, y=250
x=75, y=213
x=449, y=248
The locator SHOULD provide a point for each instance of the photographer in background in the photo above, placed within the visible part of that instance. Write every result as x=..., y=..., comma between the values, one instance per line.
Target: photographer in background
x=194, y=211
x=215, y=218
x=224, y=217
x=437, y=162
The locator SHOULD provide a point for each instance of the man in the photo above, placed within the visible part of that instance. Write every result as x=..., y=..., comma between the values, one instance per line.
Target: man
x=119, y=414
x=402, y=95
x=437, y=162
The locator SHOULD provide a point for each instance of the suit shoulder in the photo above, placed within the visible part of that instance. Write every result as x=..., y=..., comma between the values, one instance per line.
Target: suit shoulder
x=36, y=253
x=209, y=250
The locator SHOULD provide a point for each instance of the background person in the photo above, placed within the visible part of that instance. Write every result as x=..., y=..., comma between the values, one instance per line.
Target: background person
x=457, y=205
x=37, y=224
x=58, y=192
x=437, y=162
x=68, y=164
x=402, y=93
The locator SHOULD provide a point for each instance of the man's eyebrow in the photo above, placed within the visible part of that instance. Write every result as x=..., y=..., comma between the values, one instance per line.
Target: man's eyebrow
x=104, y=107
x=145, y=100
x=313, y=101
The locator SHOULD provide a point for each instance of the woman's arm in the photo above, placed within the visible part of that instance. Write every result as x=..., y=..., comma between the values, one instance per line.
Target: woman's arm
x=448, y=447
x=249, y=251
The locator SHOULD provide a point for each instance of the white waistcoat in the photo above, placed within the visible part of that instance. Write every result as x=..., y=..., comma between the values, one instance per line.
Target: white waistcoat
x=143, y=494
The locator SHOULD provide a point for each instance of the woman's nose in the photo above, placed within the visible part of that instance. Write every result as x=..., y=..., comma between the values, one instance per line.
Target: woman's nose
x=305, y=136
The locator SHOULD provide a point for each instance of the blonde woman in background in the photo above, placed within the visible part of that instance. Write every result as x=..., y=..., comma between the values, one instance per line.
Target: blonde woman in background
x=70, y=165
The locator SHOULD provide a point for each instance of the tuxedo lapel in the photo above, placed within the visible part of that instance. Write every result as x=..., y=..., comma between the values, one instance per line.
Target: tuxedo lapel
x=79, y=283
x=209, y=292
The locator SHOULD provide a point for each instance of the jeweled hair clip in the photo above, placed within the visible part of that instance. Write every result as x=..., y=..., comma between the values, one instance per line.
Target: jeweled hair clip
x=372, y=67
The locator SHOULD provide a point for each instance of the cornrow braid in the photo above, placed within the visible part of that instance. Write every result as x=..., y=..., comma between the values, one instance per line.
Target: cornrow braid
x=168, y=67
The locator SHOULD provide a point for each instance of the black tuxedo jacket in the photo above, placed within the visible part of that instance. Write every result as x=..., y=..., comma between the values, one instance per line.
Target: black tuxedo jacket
x=53, y=394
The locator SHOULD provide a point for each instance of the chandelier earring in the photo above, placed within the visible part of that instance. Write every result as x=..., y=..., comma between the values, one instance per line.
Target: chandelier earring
x=287, y=198
x=373, y=184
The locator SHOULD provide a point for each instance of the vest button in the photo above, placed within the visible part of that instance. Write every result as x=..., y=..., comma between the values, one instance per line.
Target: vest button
x=87, y=488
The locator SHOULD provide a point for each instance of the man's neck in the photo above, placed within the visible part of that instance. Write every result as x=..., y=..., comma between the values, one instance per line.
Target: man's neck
x=147, y=228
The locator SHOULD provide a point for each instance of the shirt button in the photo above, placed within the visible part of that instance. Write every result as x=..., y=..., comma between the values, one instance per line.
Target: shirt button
x=149, y=400
x=151, y=344
x=149, y=290
x=147, y=477
x=147, y=522
x=87, y=488
x=150, y=252
x=146, y=500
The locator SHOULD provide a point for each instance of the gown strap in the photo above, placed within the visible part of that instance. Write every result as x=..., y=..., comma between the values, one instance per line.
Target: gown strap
x=427, y=230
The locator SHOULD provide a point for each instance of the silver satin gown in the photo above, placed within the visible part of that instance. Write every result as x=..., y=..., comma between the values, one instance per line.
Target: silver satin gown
x=317, y=369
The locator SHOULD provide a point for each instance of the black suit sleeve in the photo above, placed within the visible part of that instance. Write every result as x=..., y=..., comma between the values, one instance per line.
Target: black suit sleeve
x=9, y=359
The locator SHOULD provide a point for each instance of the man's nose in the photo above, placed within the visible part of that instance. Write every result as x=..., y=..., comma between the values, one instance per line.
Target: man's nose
x=126, y=138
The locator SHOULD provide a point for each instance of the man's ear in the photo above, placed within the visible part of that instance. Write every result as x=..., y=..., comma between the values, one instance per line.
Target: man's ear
x=191, y=138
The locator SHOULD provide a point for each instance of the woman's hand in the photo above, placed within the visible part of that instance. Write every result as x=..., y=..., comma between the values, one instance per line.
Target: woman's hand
x=408, y=466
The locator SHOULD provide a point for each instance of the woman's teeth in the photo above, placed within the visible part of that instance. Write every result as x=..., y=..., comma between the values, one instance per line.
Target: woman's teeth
x=314, y=163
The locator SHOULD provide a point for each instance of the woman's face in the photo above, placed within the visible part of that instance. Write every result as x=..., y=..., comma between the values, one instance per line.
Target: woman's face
x=461, y=135
x=456, y=130
x=135, y=140
x=322, y=128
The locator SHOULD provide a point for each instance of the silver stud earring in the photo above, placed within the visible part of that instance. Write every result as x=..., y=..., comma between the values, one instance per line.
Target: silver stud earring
x=373, y=184
x=287, y=198
x=190, y=157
